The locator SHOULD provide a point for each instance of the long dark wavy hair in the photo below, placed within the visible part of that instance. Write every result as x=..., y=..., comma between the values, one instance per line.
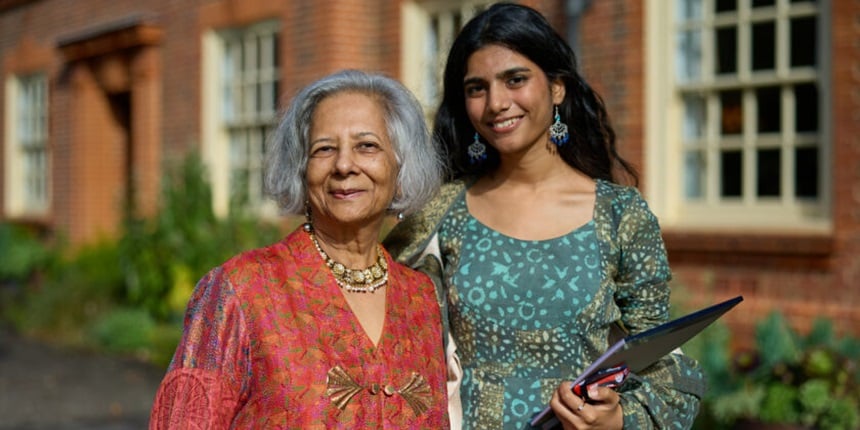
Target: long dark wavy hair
x=591, y=148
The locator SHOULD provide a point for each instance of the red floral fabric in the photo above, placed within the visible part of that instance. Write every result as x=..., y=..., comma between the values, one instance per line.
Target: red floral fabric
x=270, y=342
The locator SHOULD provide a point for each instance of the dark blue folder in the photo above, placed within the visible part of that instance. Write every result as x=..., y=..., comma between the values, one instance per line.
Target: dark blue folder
x=641, y=350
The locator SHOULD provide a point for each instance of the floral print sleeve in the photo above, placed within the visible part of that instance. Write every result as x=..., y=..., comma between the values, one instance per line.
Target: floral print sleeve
x=668, y=393
x=208, y=374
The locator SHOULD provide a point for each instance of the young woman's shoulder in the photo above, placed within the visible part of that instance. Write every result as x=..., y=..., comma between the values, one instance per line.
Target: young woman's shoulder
x=617, y=192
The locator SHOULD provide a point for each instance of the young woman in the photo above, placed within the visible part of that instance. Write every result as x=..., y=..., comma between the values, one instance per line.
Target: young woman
x=540, y=252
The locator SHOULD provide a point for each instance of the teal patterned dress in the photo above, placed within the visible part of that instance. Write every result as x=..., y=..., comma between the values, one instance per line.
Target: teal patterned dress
x=528, y=315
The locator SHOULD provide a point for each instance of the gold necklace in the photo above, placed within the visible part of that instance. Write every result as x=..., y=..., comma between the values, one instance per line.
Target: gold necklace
x=356, y=281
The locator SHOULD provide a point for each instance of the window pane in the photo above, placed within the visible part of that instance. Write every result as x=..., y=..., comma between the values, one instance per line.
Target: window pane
x=806, y=172
x=731, y=121
x=251, y=90
x=726, y=5
x=30, y=141
x=768, y=172
x=763, y=3
x=689, y=10
x=694, y=174
x=806, y=108
x=726, y=49
x=689, y=55
x=769, y=109
x=694, y=116
x=763, y=46
x=731, y=169
x=803, y=42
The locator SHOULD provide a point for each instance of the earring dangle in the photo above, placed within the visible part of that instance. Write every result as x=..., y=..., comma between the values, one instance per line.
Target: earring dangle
x=558, y=130
x=308, y=226
x=477, y=150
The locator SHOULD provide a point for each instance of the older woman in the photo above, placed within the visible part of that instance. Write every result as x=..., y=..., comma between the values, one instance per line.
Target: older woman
x=322, y=329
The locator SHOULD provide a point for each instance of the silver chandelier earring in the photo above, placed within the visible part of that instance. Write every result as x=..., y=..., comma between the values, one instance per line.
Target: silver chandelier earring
x=558, y=130
x=477, y=150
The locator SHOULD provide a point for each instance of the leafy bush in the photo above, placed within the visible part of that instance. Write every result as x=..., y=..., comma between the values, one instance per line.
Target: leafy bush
x=124, y=330
x=72, y=291
x=787, y=378
x=163, y=256
x=23, y=254
x=126, y=295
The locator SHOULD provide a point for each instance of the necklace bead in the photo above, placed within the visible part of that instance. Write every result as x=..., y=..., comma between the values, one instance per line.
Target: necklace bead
x=356, y=281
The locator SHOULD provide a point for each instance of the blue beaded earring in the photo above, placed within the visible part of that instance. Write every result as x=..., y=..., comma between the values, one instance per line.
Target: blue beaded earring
x=477, y=150
x=558, y=130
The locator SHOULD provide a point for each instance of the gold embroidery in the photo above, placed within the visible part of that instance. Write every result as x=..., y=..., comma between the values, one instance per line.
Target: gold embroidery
x=416, y=392
x=341, y=388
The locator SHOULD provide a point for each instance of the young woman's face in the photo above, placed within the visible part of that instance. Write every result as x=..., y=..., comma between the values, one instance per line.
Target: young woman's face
x=509, y=99
x=352, y=168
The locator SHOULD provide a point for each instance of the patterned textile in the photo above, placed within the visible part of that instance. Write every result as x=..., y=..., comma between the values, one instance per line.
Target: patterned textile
x=512, y=368
x=270, y=342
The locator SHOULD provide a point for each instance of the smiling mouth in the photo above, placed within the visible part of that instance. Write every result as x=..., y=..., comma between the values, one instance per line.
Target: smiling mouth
x=508, y=123
x=344, y=193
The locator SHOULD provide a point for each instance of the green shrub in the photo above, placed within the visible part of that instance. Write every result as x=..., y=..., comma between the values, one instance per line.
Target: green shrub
x=127, y=295
x=124, y=330
x=787, y=378
x=23, y=254
x=161, y=256
x=70, y=293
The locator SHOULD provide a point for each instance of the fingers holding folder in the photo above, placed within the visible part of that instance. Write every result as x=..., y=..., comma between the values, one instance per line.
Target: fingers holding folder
x=599, y=408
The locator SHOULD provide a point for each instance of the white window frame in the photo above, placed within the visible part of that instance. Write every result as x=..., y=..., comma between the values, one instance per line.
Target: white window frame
x=665, y=143
x=425, y=45
x=233, y=136
x=27, y=173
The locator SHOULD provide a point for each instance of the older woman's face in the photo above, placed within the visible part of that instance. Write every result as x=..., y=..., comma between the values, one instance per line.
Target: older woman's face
x=352, y=169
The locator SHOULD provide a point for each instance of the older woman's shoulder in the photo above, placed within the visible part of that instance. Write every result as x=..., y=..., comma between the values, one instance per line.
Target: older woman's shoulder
x=258, y=261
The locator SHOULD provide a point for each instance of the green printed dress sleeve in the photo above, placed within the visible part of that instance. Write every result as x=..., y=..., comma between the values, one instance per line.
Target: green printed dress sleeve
x=667, y=394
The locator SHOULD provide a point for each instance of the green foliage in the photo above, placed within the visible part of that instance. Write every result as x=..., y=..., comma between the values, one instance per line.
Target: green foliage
x=124, y=330
x=776, y=338
x=807, y=380
x=71, y=292
x=164, y=255
x=779, y=404
x=23, y=254
x=127, y=295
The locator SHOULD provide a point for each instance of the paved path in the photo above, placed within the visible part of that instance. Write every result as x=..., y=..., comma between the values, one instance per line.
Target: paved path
x=42, y=387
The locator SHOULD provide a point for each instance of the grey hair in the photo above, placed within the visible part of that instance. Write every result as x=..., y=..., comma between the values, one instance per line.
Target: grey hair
x=420, y=167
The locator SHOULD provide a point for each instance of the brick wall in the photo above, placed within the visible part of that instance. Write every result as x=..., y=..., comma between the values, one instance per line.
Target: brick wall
x=317, y=38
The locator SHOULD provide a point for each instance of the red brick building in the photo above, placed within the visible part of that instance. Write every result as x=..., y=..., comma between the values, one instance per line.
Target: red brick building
x=742, y=116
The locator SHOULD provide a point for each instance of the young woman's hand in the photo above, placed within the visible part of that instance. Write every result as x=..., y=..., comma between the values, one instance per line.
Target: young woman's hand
x=601, y=411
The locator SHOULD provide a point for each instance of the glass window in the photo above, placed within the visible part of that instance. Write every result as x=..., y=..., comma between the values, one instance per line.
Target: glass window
x=249, y=95
x=726, y=50
x=29, y=163
x=769, y=104
x=689, y=55
x=732, y=118
x=768, y=170
x=431, y=27
x=749, y=94
x=763, y=46
x=803, y=41
x=725, y=5
x=806, y=108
